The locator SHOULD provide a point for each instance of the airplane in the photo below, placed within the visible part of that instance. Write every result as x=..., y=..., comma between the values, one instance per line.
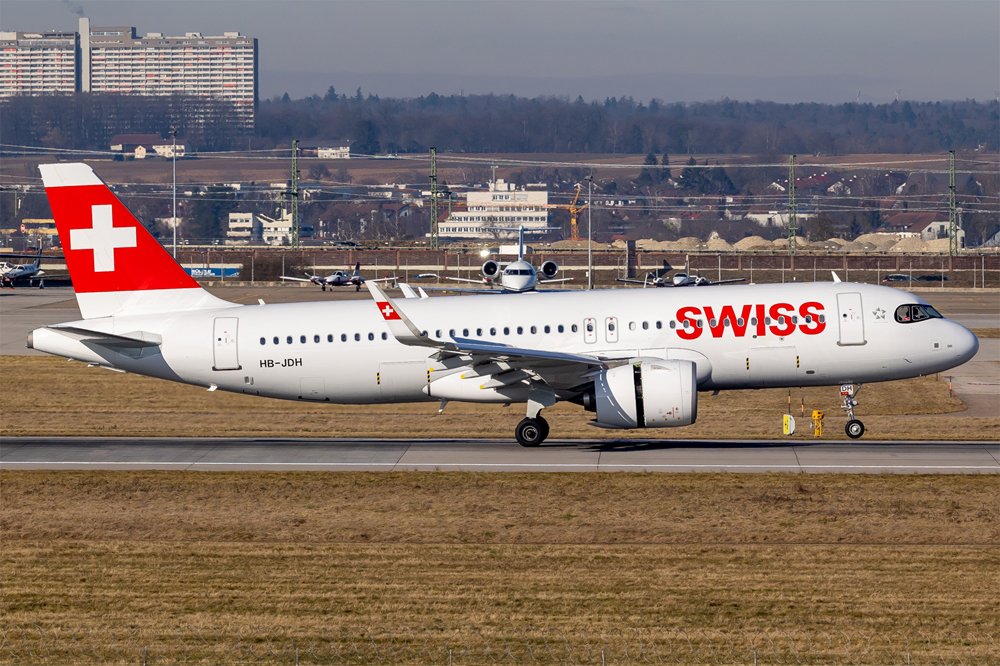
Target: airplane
x=684, y=279
x=337, y=279
x=516, y=277
x=30, y=272
x=635, y=358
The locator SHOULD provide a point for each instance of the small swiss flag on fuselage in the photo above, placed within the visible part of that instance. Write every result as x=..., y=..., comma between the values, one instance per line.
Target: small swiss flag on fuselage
x=388, y=312
x=106, y=247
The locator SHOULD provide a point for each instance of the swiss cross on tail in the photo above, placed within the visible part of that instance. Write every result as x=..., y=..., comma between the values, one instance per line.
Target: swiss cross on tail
x=107, y=249
x=388, y=312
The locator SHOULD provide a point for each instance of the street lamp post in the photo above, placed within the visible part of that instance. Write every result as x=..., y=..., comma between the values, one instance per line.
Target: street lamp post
x=173, y=160
x=590, y=242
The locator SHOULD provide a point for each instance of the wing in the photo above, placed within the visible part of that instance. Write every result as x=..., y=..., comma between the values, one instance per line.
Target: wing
x=497, y=363
x=632, y=281
x=387, y=279
x=730, y=281
x=548, y=281
x=458, y=279
x=461, y=290
x=296, y=279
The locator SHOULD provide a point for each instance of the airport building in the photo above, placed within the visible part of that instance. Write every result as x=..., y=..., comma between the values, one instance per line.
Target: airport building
x=114, y=60
x=502, y=205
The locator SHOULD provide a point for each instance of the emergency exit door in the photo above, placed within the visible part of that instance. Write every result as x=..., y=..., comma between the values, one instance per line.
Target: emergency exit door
x=851, y=318
x=225, y=344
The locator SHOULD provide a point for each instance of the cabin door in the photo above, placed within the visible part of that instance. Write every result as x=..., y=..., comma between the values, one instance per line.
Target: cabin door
x=226, y=355
x=851, y=319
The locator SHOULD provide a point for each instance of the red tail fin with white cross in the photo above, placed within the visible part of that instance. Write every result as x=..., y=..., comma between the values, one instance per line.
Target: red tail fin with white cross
x=116, y=266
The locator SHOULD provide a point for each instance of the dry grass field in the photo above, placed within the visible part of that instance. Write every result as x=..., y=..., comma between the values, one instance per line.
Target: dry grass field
x=90, y=401
x=463, y=568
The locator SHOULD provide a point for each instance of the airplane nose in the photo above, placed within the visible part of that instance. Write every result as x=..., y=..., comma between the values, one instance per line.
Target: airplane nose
x=966, y=343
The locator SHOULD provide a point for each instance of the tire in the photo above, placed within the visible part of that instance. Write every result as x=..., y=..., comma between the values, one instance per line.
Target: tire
x=544, y=425
x=529, y=432
x=854, y=429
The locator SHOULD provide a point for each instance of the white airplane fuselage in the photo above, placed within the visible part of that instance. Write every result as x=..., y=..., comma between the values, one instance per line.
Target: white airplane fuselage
x=342, y=352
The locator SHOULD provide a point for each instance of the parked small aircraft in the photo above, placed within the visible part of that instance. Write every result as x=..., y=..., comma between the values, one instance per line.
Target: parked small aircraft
x=662, y=278
x=32, y=272
x=337, y=279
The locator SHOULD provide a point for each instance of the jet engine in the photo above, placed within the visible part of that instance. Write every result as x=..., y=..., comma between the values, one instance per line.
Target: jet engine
x=646, y=394
x=549, y=269
x=491, y=269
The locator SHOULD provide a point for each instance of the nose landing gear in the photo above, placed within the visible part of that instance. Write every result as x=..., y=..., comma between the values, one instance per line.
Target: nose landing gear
x=854, y=428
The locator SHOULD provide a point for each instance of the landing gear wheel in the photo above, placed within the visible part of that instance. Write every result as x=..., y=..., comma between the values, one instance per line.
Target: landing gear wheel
x=531, y=432
x=854, y=428
x=544, y=425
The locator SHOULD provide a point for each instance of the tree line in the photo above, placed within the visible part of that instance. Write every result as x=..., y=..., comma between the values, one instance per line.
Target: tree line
x=506, y=123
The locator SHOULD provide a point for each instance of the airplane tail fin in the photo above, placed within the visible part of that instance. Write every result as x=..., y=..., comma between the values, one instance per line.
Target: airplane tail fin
x=116, y=265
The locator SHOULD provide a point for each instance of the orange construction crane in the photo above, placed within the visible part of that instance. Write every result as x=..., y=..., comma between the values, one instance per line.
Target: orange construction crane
x=574, y=211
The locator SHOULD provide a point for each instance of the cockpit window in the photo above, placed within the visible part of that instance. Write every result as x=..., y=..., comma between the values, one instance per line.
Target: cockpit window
x=912, y=312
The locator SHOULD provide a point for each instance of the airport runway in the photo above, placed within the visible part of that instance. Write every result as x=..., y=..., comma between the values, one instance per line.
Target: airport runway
x=874, y=457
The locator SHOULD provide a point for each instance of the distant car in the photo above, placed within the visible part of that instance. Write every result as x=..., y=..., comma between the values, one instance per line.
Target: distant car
x=932, y=278
x=345, y=244
x=896, y=277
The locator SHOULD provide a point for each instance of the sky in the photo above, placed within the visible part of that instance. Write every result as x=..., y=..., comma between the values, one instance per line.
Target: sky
x=673, y=50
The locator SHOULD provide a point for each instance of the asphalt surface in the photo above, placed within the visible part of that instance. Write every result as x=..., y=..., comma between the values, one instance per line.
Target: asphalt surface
x=196, y=454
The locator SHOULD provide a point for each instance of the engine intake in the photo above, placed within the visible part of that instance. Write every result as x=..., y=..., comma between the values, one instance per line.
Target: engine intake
x=647, y=394
x=549, y=269
x=491, y=269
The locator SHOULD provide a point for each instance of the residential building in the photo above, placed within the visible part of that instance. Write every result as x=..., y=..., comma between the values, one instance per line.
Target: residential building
x=115, y=60
x=337, y=153
x=927, y=225
x=38, y=63
x=502, y=205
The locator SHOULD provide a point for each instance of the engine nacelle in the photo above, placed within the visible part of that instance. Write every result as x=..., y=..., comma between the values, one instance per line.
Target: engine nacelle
x=491, y=269
x=647, y=394
x=549, y=269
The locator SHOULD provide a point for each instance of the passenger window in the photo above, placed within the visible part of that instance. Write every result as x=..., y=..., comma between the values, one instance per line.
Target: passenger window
x=711, y=322
x=263, y=341
x=590, y=327
x=520, y=330
x=645, y=325
x=631, y=326
x=698, y=323
x=547, y=329
x=673, y=324
x=739, y=321
x=451, y=332
x=385, y=336
x=506, y=330
x=288, y=339
x=465, y=332
x=560, y=328
x=574, y=328
x=357, y=337
x=659, y=324
x=534, y=330
x=315, y=338
x=479, y=332
x=437, y=333
x=371, y=336
x=329, y=337
x=302, y=339
x=276, y=339
x=493, y=330
x=343, y=337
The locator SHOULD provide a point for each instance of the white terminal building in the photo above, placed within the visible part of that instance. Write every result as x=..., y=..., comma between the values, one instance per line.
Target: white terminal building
x=114, y=60
x=501, y=206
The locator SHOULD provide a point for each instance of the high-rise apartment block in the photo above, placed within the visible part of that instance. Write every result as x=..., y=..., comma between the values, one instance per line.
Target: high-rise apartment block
x=115, y=60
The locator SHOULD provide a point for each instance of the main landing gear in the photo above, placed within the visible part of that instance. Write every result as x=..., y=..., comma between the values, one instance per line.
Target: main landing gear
x=531, y=432
x=854, y=428
x=533, y=429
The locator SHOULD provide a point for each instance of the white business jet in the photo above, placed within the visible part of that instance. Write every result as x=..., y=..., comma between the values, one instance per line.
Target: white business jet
x=636, y=358
x=517, y=277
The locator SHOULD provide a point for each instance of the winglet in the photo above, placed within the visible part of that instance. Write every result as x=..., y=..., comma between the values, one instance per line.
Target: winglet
x=399, y=324
x=836, y=278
